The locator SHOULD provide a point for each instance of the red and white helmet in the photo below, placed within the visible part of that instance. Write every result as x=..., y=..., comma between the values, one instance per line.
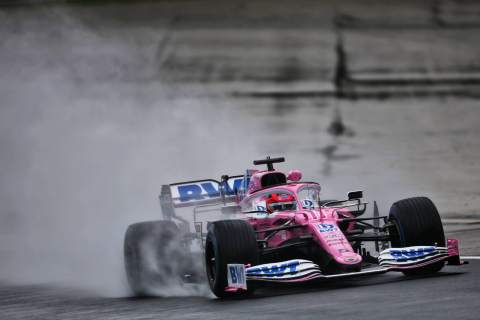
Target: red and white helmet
x=280, y=202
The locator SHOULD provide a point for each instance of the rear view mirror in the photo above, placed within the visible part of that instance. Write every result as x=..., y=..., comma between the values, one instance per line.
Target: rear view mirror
x=352, y=195
x=294, y=175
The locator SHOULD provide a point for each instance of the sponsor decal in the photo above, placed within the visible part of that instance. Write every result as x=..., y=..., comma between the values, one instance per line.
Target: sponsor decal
x=261, y=206
x=205, y=190
x=275, y=269
x=307, y=204
x=402, y=254
x=332, y=236
x=410, y=256
x=236, y=276
x=335, y=242
x=326, y=227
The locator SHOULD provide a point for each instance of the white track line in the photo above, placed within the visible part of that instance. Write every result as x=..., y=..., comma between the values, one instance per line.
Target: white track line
x=470, y=257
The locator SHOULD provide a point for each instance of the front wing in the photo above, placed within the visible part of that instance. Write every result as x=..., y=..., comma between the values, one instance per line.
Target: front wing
x=299, y=270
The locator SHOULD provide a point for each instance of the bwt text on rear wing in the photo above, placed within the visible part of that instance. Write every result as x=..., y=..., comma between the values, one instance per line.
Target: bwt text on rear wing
x=200, y=192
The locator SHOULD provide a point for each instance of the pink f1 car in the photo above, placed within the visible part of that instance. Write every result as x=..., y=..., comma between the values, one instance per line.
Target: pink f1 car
x=267, y=226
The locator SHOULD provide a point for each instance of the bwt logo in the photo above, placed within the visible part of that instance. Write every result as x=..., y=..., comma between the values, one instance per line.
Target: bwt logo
x=411, y=253
x=236, y=275
x=274, y=269
x=207, y=189
x=326, y=227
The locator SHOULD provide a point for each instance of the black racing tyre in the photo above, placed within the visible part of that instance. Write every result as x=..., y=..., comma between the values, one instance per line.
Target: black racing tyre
x=228, y=241
x=154, y=256
x=416, y=222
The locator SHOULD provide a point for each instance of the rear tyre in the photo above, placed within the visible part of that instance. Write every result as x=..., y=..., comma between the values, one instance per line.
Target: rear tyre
x=154, y=256
x=228, y=241
x=416, y=222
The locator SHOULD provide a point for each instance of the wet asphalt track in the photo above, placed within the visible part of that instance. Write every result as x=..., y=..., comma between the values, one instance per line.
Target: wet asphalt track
x=451, y=294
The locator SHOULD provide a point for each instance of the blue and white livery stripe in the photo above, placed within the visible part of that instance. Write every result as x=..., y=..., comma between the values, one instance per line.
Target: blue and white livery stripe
x=287, y=270
x=283, y=269
x=410, y=255
x=205, y=191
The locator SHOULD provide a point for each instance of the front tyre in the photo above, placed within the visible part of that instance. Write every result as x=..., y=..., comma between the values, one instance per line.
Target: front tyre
x=228, y=241
x=416, y=222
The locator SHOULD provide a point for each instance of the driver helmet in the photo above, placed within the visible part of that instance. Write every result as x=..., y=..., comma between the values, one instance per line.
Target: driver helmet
x=280, y=202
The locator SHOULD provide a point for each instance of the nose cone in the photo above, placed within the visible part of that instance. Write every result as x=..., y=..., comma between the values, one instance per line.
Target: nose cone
x=350, y=258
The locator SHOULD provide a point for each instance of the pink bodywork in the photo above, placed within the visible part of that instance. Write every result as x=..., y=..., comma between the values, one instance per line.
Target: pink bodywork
x=321, y=223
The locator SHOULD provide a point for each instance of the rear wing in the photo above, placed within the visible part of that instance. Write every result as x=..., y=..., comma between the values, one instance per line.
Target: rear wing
x=199, y=192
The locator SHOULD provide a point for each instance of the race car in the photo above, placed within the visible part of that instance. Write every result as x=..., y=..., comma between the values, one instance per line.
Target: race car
x=268, y=226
